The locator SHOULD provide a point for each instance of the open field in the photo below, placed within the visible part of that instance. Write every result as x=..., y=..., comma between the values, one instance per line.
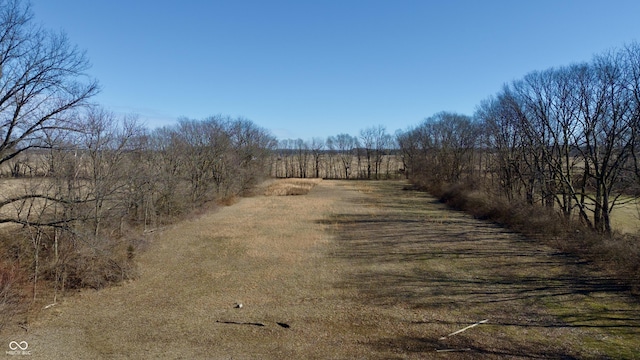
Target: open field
x=626, y=218
x=351, y=270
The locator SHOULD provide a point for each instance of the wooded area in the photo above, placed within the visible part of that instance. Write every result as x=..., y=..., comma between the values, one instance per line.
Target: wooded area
x=91, y=182
x=565, y=138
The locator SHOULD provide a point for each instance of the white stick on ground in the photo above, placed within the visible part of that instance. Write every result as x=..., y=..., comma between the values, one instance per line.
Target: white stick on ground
x=453, y=350
x=465, y=329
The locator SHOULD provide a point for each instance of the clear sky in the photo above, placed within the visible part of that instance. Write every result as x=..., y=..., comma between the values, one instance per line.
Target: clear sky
x=315, y=68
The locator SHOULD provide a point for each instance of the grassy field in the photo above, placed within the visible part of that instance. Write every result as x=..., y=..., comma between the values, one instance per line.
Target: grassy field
x=626, y=218
x=539, y=303
x=344, y=270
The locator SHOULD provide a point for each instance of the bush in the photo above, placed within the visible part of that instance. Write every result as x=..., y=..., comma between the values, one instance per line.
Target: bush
x=98, y=263
x=11, y=297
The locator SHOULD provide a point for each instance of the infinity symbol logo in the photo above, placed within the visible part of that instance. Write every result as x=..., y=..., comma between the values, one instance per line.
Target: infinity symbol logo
x=22, y=345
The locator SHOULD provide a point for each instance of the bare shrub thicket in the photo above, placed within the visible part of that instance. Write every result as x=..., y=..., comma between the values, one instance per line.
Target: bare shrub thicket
x=10, y=292
x=564, y=139
x=109, y=180
x=196, y=161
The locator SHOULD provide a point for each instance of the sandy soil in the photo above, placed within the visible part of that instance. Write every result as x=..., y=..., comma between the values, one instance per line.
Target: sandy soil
x=349, y=271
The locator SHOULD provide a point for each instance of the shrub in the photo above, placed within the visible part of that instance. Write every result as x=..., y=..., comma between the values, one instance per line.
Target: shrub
x=11, y=297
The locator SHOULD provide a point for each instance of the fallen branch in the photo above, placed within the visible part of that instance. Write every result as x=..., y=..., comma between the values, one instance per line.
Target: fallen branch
x=452, y=350
x=240, y=323
x=465, y=329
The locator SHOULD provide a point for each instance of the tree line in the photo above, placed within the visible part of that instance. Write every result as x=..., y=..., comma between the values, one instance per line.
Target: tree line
x=101, y=175
x=372, y=154
x=565, y=138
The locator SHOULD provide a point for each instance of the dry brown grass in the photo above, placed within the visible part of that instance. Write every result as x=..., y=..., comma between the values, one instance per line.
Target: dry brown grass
x=625, y=218
x=286, y=187
x=618, y=253
x=455, y=270
x=375, y=274
x=10, y=188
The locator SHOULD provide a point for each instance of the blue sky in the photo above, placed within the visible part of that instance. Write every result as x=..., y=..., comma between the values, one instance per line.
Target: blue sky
x=306, y=69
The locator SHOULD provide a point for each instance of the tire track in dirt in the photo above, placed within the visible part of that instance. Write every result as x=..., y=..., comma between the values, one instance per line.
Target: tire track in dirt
x=357, y=270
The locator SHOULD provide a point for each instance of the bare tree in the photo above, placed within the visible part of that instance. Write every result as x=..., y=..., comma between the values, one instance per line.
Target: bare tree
x=167, y=165
x=375, y=141
x=316, y=147
x=631, y=55
x=409, y=150
x=368, y=137
x=607, y=143
x=109, y=143
x=302, y=157
x=332, y=170
x=42, y=82
x=381, y=145
x=569, y=135
x=503, y=142
x=252, y=147
x=345, y=145
x=198, y=162
x=285, y=150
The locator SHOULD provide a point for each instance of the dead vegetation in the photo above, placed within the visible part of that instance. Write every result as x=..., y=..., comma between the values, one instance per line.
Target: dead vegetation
x=78, y=217
x=376, y=274
x=408, y=251
x=291, y=187
x=11, y=292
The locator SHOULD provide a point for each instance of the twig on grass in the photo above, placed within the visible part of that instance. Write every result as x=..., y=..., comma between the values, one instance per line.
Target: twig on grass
x=467, y=328
x=240, y=323
x=452, y=350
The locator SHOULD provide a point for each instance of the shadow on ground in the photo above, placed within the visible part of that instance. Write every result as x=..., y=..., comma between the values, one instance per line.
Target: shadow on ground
x=411, y=251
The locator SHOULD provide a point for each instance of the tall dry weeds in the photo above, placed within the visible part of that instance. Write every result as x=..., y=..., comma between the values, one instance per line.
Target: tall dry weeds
x=12, y=299
x=288, y=187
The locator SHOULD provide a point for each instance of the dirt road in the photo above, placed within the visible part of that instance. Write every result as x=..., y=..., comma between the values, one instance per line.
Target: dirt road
x=352, y=270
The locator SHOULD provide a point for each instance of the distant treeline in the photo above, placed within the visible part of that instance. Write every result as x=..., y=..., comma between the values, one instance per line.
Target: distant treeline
x=372, y=155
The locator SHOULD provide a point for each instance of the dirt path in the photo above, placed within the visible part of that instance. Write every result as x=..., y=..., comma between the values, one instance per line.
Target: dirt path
x=350, y=271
